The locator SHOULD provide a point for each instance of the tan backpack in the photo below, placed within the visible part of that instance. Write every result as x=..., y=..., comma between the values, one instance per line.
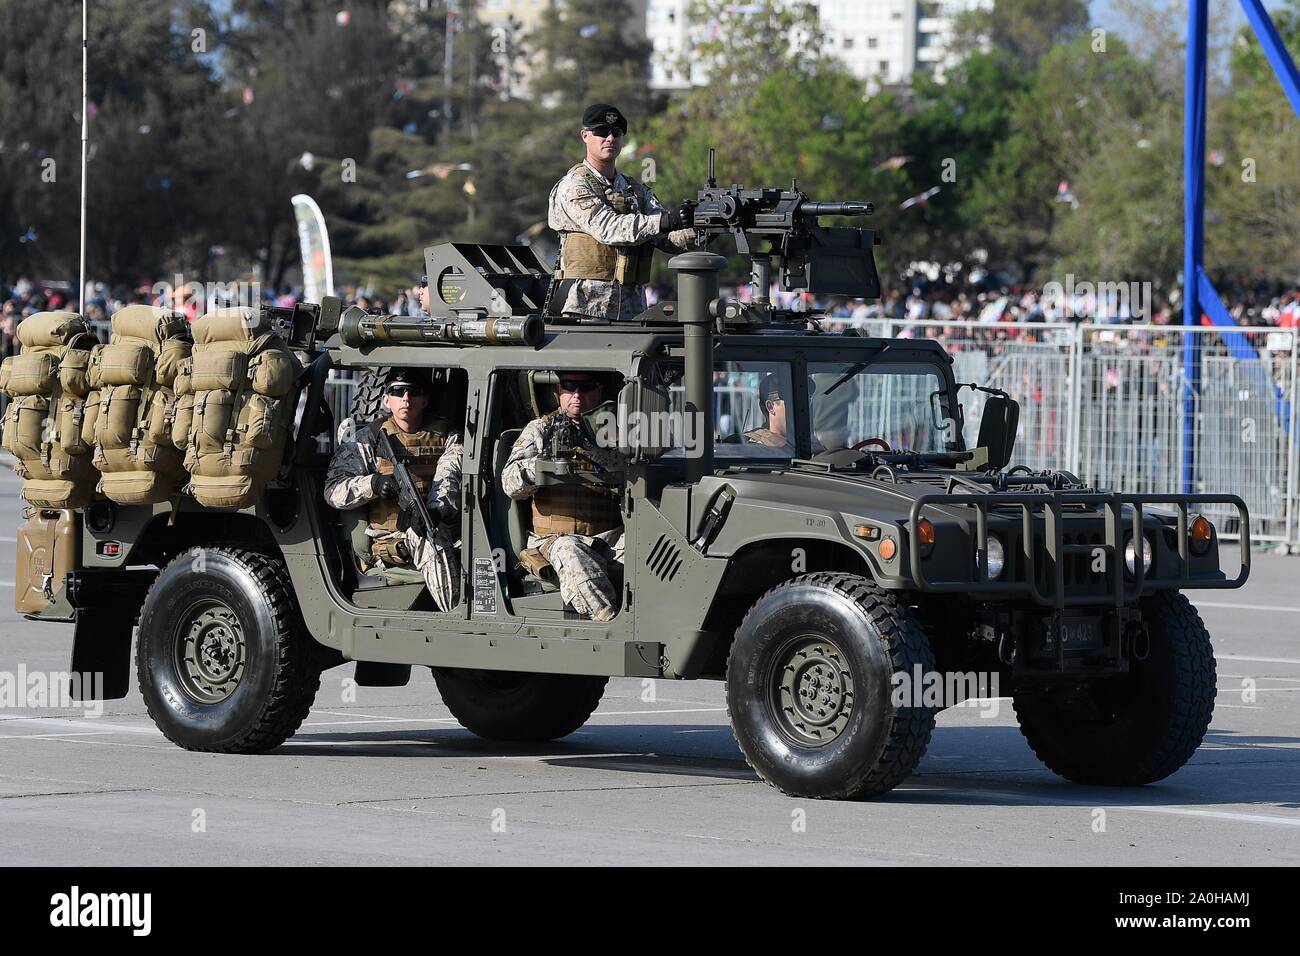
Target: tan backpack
x=44, y=422
x=235, y=406
x=130, y=410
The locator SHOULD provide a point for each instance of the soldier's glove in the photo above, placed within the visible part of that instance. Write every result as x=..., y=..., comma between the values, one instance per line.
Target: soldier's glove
x=383, y=486
x=445, y=513
x=680, y=218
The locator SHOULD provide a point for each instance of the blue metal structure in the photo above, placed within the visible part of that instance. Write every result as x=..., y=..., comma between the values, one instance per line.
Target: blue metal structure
x=1199, y=294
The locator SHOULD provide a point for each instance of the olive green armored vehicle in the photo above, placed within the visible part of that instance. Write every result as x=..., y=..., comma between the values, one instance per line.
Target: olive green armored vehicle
x=804, y=521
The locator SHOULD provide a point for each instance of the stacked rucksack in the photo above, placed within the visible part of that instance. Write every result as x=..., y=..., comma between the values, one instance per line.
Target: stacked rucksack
x=44, y=423
x=235, y=406
x=131, y=408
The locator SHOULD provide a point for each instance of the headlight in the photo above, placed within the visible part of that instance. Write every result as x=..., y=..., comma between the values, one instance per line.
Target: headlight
x=997, y=557
x=1130, y=556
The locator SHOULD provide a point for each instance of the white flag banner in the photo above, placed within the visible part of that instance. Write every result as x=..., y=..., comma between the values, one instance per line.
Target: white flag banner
x=317, y=266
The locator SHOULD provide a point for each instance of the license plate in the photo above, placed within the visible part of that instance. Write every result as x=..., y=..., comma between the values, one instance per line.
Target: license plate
x=1079, y=632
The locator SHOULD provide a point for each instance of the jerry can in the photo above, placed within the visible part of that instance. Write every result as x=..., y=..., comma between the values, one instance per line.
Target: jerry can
x=47, y=551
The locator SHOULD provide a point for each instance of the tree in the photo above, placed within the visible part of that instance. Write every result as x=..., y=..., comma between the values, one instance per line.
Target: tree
x=769, y=89
x=1077, y=100
x=1253, y=178
x=1025, y=30
x=954, y=129
x=584, y=52
x=298, y=80
x=149, y=90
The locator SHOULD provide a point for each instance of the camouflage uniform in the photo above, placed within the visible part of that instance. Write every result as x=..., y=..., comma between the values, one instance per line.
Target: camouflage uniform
x=585, y=564
x=348, y=484
x=620, y=214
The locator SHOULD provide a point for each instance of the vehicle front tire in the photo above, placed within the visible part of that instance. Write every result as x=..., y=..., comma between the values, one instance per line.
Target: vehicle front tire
x=1137, y=728
x=223, y=659
x=505, y=705
x=810, y=681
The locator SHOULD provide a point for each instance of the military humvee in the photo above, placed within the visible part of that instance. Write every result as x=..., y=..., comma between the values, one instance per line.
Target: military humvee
x=804, y=521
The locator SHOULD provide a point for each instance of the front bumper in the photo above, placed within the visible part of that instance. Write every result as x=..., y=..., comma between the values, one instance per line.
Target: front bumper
x=1042, y=577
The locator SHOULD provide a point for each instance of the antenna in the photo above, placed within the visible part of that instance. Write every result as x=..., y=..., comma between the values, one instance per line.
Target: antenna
x=712, y=181
x=81, y=275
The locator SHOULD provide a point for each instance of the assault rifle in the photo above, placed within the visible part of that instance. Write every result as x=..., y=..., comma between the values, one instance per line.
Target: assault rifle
x=410, y=503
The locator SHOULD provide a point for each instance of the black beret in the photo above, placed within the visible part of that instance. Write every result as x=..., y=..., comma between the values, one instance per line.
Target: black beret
x=602, y=114
x=407, y=376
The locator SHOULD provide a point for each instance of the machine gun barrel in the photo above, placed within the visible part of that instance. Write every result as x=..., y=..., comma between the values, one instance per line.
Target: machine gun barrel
x=846, y=207
x=359, y=328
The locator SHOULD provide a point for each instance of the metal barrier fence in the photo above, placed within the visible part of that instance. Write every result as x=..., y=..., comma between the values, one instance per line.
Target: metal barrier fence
x=1106, y=403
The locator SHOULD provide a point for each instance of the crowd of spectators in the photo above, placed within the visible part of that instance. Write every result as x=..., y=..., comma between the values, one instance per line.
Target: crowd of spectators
x=23, y=297
x=957, y=310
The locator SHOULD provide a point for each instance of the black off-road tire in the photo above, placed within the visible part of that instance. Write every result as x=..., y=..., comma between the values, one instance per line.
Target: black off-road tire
x=501, y=705
x=1140, y=727
x=859, y=636
x=246, y=700
x=368, y=398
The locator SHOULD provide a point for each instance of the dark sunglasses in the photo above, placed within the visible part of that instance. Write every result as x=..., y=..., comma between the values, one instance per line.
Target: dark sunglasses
x=570, y=385
x=402, y=391
x=603, y=131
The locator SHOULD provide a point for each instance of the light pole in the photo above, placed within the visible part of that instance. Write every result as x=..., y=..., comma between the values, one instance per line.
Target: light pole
x=81, y=272
x=448, y=49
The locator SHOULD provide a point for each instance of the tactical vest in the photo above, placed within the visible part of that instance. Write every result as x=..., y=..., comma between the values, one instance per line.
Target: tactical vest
x=586, y=257
x=420, y=453
x=132, y=409
x=576, y=509
x=44, y=423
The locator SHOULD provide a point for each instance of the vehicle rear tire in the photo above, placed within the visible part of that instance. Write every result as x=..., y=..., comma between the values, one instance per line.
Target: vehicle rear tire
x=505, y=705
x=810, y=688
x=1138, y=728
x=223, y=659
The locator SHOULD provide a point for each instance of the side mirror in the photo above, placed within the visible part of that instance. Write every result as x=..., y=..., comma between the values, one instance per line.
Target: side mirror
x=998, y=428
x=643, y=422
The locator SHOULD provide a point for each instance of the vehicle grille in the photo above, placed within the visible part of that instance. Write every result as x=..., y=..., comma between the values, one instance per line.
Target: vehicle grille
x=1078, y=571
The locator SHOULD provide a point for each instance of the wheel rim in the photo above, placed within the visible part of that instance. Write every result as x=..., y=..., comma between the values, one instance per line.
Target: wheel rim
x=210, y=652
x=811, y=690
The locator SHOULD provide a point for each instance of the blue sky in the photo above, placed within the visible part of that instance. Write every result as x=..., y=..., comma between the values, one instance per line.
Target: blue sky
x=1103, y=15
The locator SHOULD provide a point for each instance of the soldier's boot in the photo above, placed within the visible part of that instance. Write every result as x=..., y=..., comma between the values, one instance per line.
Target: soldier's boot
x=438, y=562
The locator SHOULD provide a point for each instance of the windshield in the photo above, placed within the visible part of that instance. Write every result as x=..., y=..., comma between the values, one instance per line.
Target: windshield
x=848, y=402
x=904, y=404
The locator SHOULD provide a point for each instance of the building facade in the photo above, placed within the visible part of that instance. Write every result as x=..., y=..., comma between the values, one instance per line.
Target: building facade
x=882, y=42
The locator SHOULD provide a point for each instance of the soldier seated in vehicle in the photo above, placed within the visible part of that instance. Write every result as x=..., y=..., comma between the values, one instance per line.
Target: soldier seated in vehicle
x=432, y=454
x=577, y=527
x=776, y=432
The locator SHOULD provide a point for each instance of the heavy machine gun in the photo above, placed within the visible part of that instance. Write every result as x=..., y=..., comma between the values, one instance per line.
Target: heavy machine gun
x=772, y=222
